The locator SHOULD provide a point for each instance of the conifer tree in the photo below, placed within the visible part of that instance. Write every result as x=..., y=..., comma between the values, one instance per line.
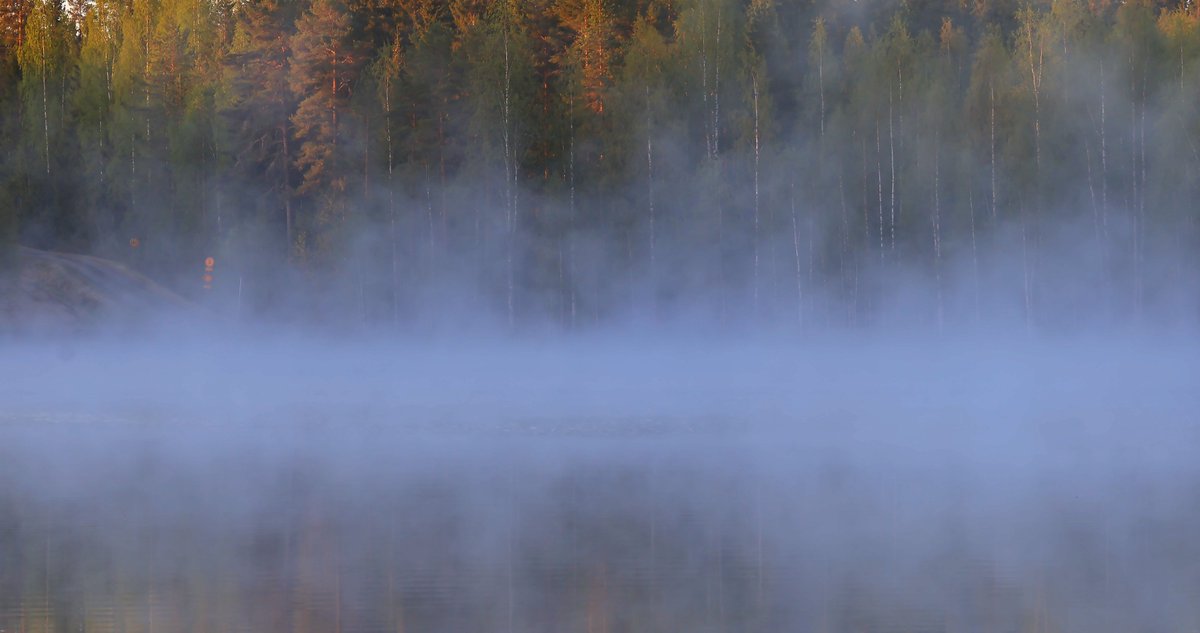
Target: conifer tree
x=259, y=107
x=323, y=68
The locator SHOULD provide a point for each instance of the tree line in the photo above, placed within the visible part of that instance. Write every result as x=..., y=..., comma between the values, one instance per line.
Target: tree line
x=570, y=160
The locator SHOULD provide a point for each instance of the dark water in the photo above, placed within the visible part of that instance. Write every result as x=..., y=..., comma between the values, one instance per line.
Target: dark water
x=155, y=528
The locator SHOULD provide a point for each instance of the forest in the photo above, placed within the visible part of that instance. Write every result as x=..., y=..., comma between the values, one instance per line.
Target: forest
x=570, y=162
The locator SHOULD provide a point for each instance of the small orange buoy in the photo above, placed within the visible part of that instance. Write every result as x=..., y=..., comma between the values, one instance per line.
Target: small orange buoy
x=208, y=269
x=134, y=242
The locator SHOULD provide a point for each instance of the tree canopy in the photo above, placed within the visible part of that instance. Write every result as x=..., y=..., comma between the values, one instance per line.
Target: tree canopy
x=567, y=160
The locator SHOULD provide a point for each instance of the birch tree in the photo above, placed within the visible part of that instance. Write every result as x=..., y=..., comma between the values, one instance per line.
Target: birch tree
x=501, y=84
x=42, y=61
x=645, y=106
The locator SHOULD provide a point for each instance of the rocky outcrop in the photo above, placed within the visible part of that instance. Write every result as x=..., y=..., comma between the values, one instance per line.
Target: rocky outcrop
x=50, y=291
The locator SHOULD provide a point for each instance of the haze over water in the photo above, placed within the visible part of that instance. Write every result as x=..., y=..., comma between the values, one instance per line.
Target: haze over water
x=592, y=316
x=617, y=483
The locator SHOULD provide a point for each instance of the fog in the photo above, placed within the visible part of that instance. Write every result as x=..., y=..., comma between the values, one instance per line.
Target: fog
x=898, y=363
x=613, y=481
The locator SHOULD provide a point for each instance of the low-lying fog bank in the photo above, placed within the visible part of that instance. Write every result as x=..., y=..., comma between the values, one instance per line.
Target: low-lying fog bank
x=607, y=483
x=902, y=386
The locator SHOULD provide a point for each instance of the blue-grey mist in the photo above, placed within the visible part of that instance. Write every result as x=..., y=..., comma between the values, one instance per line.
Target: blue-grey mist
x=614, y=481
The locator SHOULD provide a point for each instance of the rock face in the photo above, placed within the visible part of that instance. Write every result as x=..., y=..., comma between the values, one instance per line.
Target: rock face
x=50, y=292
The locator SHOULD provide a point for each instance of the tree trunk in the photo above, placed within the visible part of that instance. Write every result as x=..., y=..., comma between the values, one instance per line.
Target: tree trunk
x=1026, y=269
x=796, y=252
x=992, y=127
x=509, y=181
x=1103, y=156
x=708, y=136
x=287, y=193
x=717, y=91
x=571, y=235
x=391, y=162
x=650, y=187
x=754, y=87
x=892, y=167
x=45, y=105
x=879, y=182
x=937, y=228
x=974, y=251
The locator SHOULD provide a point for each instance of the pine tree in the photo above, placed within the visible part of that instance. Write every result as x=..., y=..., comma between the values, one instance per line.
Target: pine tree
x=323, y=68
x=13, y=14
x=591, y=51
x=259, y=107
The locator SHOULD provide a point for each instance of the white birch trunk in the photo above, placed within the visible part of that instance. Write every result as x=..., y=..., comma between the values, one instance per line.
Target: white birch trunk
x=879, y=182
x=717, y=91
x=992, y=126
x=45, y=103
x=892, y=167
x=708, y=137
x=1103, y=157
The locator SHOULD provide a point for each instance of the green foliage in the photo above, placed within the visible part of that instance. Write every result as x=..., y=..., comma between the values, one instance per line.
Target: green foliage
x=792, y=144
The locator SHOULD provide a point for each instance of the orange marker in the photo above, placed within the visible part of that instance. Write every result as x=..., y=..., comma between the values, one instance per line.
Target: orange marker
x=208, y=268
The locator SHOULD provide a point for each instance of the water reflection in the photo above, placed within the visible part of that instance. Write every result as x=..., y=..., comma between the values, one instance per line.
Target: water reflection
x=149, y=529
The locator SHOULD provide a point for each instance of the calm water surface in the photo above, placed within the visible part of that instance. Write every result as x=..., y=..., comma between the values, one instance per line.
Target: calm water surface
x=577, y=527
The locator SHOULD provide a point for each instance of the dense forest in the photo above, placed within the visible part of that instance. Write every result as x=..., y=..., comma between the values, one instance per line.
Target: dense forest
x=570, y=161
